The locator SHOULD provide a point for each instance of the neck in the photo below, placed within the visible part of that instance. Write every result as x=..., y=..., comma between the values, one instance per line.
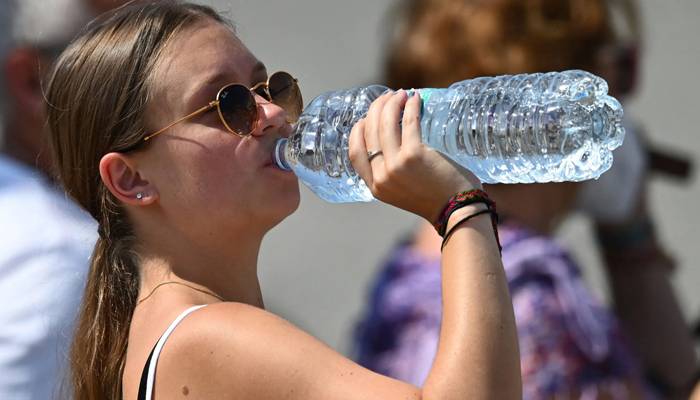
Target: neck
x=229, y=273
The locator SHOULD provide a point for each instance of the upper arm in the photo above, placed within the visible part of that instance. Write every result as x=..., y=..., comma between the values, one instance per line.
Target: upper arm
x=234, y=350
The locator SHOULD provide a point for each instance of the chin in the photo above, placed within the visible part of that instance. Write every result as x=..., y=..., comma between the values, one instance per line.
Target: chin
x=292, y=198
x=284, y=201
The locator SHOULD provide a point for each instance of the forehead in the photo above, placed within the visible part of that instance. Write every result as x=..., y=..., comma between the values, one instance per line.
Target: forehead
x=203, y=53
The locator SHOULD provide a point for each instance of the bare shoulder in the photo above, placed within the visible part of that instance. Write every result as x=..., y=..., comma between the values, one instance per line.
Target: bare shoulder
x=236, y=350
x=227, y=323
x=218, y=349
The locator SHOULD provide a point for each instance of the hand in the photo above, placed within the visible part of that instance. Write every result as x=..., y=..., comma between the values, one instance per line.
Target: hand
x=407, y=173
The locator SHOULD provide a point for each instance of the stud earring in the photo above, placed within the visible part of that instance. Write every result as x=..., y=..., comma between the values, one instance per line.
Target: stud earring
x=139, y=196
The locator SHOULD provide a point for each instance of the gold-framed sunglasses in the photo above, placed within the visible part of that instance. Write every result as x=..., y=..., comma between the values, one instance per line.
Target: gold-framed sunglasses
x=238, y=110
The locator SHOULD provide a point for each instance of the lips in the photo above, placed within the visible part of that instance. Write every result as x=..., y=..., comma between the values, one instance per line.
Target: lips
x=269, y=162
x=269, y=159
x=272, y=147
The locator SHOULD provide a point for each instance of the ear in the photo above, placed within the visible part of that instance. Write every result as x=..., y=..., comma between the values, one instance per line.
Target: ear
x=122, y=178
x=23, y=76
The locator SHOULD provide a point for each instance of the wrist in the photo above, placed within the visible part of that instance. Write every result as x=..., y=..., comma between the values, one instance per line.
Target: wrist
x=458, y=201
x=462, y=213
x=467, y=218
x=632, y=245
x=462, y=208
x=634, y=234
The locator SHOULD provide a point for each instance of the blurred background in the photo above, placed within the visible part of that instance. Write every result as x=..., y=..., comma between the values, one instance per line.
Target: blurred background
x=315, y=267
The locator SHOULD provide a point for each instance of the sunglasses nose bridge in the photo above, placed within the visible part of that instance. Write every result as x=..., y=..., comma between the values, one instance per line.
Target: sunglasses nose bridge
x=269, y=115
x=262, y=89
x=266, y=97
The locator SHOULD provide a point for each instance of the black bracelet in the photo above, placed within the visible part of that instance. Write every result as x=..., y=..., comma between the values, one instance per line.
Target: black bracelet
x=449, y=233
x=458, y=201
x=638, y=232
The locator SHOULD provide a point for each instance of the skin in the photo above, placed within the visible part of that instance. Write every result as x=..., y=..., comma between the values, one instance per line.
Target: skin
x=209, y=199
x=648, y=307
x=540, y=207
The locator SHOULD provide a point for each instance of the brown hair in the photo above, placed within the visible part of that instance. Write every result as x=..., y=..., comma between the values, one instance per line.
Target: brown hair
x=438, y=42
x=97, y=96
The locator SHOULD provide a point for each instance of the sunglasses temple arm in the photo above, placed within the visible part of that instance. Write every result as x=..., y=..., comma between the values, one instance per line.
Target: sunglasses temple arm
x=186, y=117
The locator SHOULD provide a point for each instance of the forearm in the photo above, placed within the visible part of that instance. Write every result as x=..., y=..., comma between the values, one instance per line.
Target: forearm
x=646, y=304
x=652, y=318
x=477, y=356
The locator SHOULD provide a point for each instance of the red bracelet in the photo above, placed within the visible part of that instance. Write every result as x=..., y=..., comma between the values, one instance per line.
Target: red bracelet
x=459, y=200
x=463, y=199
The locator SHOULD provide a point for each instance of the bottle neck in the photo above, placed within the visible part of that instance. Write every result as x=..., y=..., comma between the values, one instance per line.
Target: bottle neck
x=280, y=155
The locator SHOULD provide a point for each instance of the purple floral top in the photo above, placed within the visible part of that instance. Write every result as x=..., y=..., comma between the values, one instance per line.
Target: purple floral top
x=569, y=342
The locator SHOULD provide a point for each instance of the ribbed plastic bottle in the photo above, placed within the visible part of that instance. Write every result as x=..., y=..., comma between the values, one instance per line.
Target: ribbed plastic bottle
x=543, y=127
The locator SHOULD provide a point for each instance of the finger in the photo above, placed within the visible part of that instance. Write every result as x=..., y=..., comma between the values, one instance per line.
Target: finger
x=371, y=131
x=390, y=130
x=411, y=129
x=358, y=152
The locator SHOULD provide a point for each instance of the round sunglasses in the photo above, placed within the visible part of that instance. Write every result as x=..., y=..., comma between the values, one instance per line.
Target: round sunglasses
x=238, y=110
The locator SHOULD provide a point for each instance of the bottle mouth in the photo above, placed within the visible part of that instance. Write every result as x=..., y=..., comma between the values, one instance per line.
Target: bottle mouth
x=279, y=156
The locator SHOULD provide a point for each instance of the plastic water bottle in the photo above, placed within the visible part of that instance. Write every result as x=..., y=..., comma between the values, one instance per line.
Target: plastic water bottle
x=544, y=127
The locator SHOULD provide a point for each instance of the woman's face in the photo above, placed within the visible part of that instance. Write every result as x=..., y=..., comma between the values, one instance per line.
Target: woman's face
x=210, y=181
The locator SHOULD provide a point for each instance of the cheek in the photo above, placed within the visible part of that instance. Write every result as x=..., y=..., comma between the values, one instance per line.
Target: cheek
x=217, y=176
x=223, y=181
x=196, y=174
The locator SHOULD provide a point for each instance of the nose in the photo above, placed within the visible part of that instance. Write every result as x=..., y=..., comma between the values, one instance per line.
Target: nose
x=270, y=117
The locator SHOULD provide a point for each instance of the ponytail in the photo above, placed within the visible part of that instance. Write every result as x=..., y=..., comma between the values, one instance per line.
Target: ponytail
x=102, y=332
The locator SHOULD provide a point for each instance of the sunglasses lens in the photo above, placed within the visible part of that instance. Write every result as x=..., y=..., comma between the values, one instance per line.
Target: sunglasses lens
x=238, y=109
x=285, y=92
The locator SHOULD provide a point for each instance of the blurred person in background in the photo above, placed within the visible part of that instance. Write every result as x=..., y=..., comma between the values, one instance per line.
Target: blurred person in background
x=45, y=239
x=571, y=345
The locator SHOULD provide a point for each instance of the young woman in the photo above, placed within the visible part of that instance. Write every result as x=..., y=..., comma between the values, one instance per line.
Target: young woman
x=162, y=127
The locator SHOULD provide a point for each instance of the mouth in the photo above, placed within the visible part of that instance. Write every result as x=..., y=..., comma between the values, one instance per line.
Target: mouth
x=269, y=162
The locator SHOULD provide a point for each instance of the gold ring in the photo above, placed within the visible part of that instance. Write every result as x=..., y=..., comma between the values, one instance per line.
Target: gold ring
x=372, y=154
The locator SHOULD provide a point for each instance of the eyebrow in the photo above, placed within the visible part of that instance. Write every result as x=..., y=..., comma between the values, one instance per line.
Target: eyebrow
x=221, y=78
x=259, y=66
x=259, y=70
